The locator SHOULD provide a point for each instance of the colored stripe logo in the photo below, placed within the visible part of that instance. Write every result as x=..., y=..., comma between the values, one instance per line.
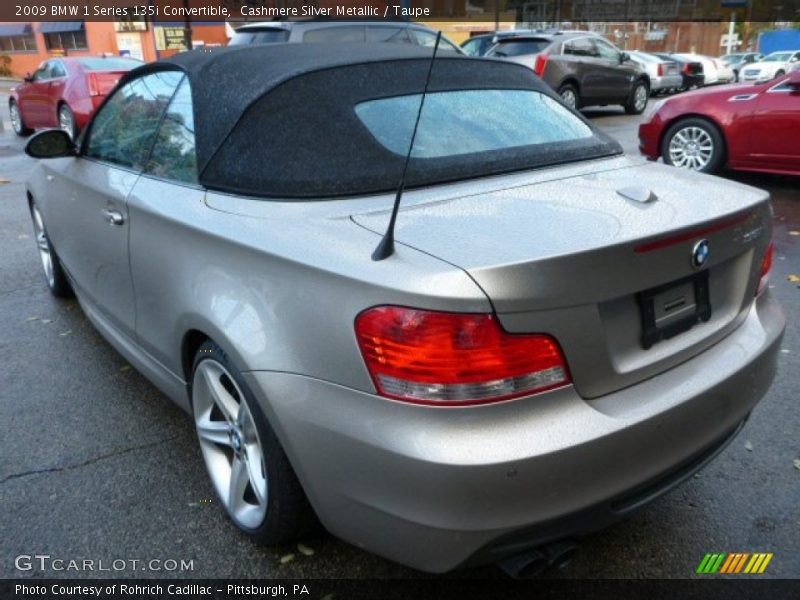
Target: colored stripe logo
x=735, y=562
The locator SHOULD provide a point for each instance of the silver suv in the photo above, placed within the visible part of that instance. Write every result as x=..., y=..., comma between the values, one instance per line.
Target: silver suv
x=269, y=32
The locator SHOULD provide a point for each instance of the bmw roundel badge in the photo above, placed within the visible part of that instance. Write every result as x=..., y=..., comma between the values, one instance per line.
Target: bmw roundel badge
x=700, y=254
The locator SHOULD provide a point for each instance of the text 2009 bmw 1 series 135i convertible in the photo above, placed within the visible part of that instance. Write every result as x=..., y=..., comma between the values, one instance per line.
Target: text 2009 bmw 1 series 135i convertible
x=561, y=334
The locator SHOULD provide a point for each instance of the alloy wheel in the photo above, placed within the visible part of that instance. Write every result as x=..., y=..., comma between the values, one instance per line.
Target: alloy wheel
x=16, y=118
x=691, y=148
x=66, y=122
x=569, y=97
x=230, y=444
x=640, y=98
x=44, y=246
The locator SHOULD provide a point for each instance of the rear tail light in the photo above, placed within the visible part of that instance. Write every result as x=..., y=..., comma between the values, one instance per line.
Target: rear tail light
x=94, y=86
x=540, y=64
x=766, y=267
x=660, y=69
x=452, y=359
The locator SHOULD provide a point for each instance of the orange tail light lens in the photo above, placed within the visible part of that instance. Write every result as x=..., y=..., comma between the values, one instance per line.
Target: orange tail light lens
x=766, y=267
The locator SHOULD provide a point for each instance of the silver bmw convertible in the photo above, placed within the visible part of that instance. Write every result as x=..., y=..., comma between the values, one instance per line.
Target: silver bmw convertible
x=554, y=334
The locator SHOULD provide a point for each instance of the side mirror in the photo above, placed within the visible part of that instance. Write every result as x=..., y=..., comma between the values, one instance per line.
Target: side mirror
x=28, y=78
x=624, y=57
x=53, y=143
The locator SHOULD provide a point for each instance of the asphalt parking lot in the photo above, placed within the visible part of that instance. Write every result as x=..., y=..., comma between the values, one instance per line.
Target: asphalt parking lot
x=96, y=463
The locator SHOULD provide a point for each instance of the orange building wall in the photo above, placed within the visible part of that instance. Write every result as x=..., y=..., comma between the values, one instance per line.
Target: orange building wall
x=101, y=37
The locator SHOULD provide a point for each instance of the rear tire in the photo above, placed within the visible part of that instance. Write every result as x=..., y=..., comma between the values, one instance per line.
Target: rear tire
x=54, y=274
x=239, y=446
x=637, y=101
x=694, y=144
x=66, y=121
x=569, y=94
x=17, y=122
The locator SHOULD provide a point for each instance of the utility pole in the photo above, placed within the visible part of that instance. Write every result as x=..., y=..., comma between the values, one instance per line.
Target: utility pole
x=187, y=27
x=731, y=27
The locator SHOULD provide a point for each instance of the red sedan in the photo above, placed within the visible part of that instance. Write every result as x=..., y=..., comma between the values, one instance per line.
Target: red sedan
x=64, y=92
x=750, y=128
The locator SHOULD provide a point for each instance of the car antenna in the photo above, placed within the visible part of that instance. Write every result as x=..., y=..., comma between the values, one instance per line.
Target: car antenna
x=385, y=247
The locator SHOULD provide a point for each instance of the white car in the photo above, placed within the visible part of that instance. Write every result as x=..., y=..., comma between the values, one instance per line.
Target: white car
x=714, y=69
x=772, y=66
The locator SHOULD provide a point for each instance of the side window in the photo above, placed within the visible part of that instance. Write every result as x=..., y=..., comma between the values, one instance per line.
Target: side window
x=335, y=34
x=423, y=37
x=174, y=155
x=124, y=130
x=43, y=72
x=606, y=51
x=57, y=69
x=394, y=35
x=580, y=47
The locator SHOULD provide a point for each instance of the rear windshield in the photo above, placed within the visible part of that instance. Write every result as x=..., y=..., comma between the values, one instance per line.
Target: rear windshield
x=470, y=121
x=346, y=131
x=109, y=64
x=259, y=36
x=518, y=47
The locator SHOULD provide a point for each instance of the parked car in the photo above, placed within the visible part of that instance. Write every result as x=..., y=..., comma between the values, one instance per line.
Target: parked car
x=665, y=75
x=739, y=60
x=539, y=327
x=478, y=45
x=714, y=70
x=752, y=128
x=64, y=92
x=773, y=65
x=581, y=66
x=691, y=71
x=326, y=31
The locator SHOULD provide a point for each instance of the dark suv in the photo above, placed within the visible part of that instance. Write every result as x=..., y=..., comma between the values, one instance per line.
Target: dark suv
x=581, y=66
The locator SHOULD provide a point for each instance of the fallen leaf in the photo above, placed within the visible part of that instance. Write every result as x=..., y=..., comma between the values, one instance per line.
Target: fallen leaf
x=784, y=351
x=125, y=368
x=34, y=318
x=47, y=321
x=327, y=597
x=65, y=333
x=305, y=550
x=794, y=232
x=287, y=558
x=793, y=278
x=5, y=180
x=796, y=463
x=748, y=445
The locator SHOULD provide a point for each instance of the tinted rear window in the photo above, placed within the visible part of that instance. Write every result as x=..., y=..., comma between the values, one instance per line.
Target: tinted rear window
x=259, y=36
x=518, y=47
x=470, y=121
x=109, y=64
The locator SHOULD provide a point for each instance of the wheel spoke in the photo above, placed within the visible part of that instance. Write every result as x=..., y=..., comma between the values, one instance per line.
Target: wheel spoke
x=226, y=403
x=216, y=432
x=238, y=484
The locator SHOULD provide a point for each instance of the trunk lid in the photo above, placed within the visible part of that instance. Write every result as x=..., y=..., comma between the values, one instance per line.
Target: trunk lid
x=571, y=256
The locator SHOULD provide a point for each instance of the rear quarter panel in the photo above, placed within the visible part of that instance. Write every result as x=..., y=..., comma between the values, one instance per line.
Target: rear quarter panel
x=278, y=287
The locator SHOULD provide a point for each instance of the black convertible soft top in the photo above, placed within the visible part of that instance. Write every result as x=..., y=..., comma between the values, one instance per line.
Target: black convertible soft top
x=278, y=120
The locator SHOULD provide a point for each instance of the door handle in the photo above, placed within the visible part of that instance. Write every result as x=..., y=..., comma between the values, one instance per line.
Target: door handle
x=113, y=217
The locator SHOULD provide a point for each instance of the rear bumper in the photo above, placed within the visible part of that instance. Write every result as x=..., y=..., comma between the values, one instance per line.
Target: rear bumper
x=438, y=488
x=650, y=137
x=665, y=82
